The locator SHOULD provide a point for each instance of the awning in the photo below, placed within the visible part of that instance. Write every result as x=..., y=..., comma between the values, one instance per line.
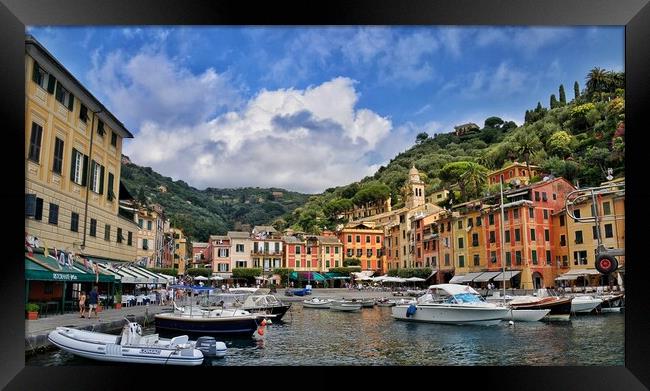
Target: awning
x=41, y=268
x=309, y=276
x=566, y=278
x=507, y=276
x=469, y=277
x=582, y=272
x=131, y=273
x=487, y=276
x=456, y=279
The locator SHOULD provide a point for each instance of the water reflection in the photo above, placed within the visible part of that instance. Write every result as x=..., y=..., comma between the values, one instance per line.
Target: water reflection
x=372, y=337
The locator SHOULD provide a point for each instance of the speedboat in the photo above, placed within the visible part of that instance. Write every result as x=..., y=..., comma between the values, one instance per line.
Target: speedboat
x=584, y=304
x=560, y=306
x=316, y=302
x=267, y=304
x=404, y=301
x=345, y=305
x=451, y=304
x=133, y=347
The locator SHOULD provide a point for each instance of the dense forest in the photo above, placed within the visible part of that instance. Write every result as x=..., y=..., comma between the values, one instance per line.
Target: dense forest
x=578, y=139
x=200, y=213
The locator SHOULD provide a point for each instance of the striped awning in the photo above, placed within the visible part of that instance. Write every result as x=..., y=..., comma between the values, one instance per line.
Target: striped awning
x=507, y=276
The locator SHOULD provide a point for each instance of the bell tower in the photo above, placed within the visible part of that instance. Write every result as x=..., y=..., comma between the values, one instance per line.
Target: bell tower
x=415, y=189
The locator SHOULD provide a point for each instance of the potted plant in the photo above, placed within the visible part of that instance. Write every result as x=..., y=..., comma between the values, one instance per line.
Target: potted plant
x=32, y=311
x=118, y=300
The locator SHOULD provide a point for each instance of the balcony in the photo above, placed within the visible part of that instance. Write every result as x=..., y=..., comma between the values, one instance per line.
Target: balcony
x=262, y=252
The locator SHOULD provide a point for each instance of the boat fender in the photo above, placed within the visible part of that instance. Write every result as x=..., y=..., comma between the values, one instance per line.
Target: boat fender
x=260, y=330
x=606, y=264
x=410, y=311
x=263, y=322
x=269, y=321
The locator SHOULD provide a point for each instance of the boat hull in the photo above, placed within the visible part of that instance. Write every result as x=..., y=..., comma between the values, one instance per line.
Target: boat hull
x=560, y=307
x=444, y=314
x=112, y=352
x=278, y=310
x=323, y=305
x=527, y=315
x=346, y=307
x=171, y=324
x=584, y=306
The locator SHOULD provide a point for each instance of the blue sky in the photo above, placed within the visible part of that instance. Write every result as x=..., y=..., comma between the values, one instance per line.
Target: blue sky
x=307, y=108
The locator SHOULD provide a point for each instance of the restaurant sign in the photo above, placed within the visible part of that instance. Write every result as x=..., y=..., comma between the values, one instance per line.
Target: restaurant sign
x=62, y=276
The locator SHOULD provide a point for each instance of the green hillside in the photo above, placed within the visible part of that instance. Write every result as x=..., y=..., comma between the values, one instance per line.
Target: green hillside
x=578, y=139
x=201, y=213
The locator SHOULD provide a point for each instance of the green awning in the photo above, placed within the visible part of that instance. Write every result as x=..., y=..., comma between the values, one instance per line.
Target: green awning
x=308, y=276
x=335, y=275
x=38, y=267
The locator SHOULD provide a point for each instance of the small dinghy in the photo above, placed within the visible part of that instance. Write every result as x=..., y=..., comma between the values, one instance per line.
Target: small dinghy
x=345, y=305
x=385, y=302
x=368, y=303
x=316, y=302
x=133, y=347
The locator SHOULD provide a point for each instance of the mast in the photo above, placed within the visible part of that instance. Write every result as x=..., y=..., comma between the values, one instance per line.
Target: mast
x=503, y=260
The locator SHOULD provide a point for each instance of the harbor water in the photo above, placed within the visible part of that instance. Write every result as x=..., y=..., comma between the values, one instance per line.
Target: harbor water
x=372, y=337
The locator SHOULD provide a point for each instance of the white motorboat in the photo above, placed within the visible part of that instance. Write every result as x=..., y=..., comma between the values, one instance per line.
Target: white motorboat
x=518, y=315
x=584, y=304
x=316, y=302
x=345, y=305
x=612, y=303
x=451, y=304
x=404, y=301
x=133, y=347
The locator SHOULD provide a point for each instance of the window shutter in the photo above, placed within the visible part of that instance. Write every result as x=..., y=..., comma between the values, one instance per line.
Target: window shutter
x=50, y=84
x=71, y=102
x=109, y=193
x=30, y=205
x=39, y=209
x=83, y=112
x=85, y=171
x=101, y=179
x=35, y=72
x=72, y=164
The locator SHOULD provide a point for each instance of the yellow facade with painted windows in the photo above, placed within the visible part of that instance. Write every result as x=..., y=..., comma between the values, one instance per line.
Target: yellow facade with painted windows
x=73, y=148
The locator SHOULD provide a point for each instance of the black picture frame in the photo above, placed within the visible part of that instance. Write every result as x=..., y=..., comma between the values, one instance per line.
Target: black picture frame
x=633, y=14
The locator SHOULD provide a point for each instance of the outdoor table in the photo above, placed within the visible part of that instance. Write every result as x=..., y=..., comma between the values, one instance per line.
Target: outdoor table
x=49, y=304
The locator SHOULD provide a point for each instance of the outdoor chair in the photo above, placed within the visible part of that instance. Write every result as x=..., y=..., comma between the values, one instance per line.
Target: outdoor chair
x=139, y=300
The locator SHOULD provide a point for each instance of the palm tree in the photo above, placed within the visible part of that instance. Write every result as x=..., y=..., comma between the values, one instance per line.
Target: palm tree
x=524, y=143
x=598, y=80
x=474, y=179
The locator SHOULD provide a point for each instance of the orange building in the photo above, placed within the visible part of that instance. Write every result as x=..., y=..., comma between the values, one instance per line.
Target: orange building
x=365, y=242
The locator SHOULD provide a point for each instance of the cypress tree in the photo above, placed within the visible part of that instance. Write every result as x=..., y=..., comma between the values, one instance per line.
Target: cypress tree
x=538, y=109
x=553, y=101
x=527, y=116
x=562, y=95
x=576, y=90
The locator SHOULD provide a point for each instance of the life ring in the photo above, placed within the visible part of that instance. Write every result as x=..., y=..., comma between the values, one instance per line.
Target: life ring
x=606, y=264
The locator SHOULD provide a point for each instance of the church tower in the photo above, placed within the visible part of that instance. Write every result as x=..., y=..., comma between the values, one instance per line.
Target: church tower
x=415, y=189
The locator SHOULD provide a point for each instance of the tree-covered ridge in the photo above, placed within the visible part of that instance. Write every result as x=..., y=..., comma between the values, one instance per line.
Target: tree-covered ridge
x=577, y=139
x=200, y=213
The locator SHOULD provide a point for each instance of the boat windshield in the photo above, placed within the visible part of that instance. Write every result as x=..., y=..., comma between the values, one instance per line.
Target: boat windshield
x=464, y=298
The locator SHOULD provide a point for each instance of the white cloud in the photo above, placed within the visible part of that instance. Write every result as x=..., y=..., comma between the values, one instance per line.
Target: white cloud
x=305, y=140
x=149, y=86
x=504, y=79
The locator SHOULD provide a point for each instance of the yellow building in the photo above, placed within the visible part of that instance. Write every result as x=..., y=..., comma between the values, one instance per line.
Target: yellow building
x=438, y=196
x=513, y=172
x=582, y=238
x=73, y=148
x=181, y=251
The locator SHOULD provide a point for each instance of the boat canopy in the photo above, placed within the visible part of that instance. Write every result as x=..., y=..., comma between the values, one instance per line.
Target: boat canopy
x=454, y=289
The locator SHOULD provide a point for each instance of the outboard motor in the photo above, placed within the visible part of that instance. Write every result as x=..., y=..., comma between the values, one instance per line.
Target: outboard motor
x=211, y=347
